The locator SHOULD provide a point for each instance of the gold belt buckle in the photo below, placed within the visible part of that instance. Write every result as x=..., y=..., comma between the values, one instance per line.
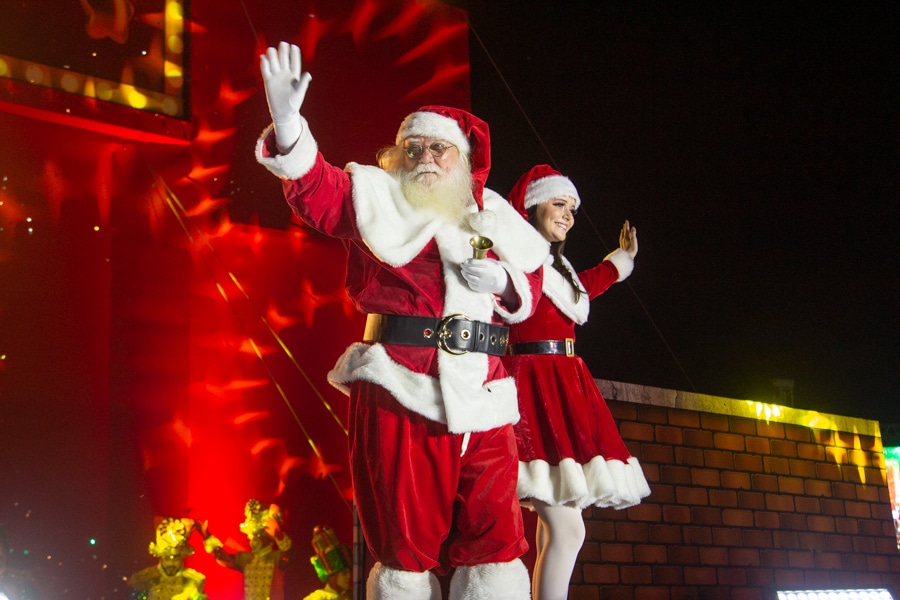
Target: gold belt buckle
x=570, y=347
x=443, y=334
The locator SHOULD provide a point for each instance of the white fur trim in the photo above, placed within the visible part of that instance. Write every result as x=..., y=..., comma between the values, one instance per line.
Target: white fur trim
x=561, y=294
x=600, y=483
x=622, y=261
x=296, y=163
x=515, y=241
x=483, y=222
x=491, y=581
x=546, y=188
x=475, y=408
x=386, y=583
x=520, y=283
x=432, y=125
x=370, y=362
x=472, y=404
x=469, y=403
x=394, y=230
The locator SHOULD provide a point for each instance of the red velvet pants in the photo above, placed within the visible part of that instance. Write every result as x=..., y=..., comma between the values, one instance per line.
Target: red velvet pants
x=422, y=505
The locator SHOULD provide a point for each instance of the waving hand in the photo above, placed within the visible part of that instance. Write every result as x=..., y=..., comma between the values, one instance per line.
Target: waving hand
x=286, y=87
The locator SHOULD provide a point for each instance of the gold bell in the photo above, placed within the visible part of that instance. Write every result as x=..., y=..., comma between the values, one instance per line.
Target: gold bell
x=480, y=246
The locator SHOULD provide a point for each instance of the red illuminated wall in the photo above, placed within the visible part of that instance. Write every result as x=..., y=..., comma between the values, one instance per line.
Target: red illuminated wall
x=165, y=329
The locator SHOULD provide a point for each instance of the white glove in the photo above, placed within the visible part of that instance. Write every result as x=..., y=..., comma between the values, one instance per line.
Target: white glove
x=485, y=275
x=286, y=87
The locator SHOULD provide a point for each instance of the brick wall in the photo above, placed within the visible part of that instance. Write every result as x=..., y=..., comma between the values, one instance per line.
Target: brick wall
x=746, y=499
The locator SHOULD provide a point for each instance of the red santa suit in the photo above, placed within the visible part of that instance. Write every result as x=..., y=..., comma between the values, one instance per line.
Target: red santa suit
x=431, y=444
x=570, y=450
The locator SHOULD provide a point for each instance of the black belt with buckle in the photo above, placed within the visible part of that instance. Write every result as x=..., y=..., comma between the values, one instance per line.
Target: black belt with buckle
x=456, y=334
x=566, y=346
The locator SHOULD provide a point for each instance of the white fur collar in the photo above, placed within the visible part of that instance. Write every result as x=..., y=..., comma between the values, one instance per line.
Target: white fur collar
x=560, y=292
x=396, y=232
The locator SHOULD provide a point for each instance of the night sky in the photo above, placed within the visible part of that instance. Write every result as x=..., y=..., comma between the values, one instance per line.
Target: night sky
x=754, y=145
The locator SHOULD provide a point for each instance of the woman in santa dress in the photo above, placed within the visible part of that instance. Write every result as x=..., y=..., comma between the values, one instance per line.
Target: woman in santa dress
x=571, y=455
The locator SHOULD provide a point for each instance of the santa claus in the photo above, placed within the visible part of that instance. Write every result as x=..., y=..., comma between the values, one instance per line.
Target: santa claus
x=432, y=449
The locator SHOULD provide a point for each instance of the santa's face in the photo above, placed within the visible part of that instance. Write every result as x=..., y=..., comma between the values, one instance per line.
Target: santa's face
x=553, y=219
x=434, y=177
x=429, y=160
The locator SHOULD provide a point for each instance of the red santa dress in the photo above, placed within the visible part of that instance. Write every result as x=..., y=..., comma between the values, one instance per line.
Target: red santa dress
x=570, y=450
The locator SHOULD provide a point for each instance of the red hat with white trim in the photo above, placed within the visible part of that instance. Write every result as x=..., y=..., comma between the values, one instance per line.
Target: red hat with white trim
x=541, y=184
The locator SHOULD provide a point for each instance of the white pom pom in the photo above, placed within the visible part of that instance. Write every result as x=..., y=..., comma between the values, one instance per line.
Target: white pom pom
x=483, y=222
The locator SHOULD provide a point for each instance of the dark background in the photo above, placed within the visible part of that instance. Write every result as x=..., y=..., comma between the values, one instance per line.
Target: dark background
x=754, y=145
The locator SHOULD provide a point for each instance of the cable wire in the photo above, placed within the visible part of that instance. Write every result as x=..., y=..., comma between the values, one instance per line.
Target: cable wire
x=552, y=161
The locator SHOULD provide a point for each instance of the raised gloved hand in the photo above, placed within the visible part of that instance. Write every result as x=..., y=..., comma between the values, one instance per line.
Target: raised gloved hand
x=485, y=275
x=286, y=87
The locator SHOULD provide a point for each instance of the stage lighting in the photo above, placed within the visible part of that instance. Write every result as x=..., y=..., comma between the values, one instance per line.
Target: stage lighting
x=845, y=594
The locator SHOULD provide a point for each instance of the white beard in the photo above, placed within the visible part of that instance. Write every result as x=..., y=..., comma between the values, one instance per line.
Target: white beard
x=450, y=196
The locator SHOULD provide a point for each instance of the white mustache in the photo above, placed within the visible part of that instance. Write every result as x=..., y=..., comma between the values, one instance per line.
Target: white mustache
x=420, y=169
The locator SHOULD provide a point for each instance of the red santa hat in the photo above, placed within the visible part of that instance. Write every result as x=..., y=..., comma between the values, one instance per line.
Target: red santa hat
x=462, y=129
x=541, y=184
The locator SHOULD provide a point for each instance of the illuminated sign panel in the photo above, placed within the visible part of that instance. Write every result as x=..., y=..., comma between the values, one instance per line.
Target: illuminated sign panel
x=64, y=57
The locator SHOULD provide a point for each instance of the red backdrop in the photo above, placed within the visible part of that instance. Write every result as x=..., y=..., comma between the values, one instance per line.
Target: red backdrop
x=165, y=329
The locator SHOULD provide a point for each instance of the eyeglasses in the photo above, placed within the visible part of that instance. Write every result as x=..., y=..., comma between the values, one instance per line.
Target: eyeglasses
x=437, y=149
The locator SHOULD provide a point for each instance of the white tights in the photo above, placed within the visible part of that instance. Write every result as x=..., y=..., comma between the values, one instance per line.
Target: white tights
x=560, y=534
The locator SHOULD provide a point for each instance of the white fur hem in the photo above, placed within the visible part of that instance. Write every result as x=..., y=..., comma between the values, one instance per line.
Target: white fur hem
x=475, y=405
x=296, y=163
x=600, y=483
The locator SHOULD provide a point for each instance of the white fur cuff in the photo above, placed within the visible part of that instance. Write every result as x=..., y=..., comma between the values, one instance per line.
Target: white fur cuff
x=296, y=163
x=491, y=581
x=386, y=583
x=622, y=261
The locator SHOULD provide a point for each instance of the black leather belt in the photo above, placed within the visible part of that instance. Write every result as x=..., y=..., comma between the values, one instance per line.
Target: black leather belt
x=456, y=334
x=566, y=346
